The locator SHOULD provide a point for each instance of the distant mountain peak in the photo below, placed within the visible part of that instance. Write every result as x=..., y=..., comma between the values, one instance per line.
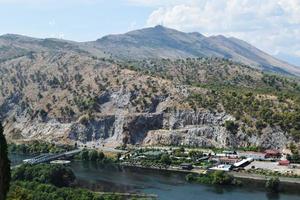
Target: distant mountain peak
x=10, y=36
x=159, y=27
x=163, y=42
x=160, y=42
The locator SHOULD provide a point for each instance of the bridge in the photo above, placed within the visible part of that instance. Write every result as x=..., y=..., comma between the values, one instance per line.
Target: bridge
x=43, y=158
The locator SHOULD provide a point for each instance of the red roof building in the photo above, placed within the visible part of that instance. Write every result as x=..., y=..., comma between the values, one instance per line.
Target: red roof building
x=284, y=162
x=272, y=154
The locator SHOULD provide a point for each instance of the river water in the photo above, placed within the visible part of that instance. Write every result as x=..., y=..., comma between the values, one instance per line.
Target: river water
x=167, y=185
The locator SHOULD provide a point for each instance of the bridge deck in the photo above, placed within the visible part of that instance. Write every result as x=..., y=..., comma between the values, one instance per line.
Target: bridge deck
x=49, y=157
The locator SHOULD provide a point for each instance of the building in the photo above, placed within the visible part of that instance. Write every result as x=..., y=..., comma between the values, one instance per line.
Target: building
x=252, y=154
x=243, y=163
x=228, y=161
x=186, y=166
x=284, y=163
x=272, y=153
x=286, y=151
x=225, y=168
x=227, y=152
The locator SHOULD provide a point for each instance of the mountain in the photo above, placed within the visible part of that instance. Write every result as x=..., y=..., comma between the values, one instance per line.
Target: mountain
x=13, y=46
x=152, y=43
x=162, y=42
x=63, y=91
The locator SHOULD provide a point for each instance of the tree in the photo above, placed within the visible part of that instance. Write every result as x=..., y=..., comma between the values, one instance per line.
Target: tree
x=101, y=155
x=93, y=155
x=221, y=178
x=231, y=126
x=165, y=158
x=272, y=184
x=57, y=175
x=4, y=166
x=84, y=155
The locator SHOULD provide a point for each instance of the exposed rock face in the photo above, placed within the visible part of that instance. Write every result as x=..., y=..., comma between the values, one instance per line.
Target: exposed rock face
x=189, y=128
x=192, y=129
x=66, y=97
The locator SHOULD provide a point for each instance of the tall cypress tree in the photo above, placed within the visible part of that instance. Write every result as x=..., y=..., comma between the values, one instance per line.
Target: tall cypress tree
x=4, y=166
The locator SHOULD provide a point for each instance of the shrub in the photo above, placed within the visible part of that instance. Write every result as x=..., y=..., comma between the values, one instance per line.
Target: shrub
x=231, y=126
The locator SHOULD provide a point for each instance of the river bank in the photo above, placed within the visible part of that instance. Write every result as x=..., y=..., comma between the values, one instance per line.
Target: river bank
x=165, y=184
x=287, y=183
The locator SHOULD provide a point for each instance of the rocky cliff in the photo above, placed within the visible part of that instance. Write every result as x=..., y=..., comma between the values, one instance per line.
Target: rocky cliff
x=67, y=97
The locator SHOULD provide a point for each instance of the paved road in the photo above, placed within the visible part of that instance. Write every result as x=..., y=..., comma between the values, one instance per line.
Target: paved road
x=107, y=149
x=262, y=177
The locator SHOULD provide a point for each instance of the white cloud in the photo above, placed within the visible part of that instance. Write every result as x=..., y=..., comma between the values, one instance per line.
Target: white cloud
x=154, y=3
x=272, y=25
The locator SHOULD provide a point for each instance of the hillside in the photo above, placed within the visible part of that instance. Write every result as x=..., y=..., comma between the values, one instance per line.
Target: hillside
x=66, y=92
x=67, y=97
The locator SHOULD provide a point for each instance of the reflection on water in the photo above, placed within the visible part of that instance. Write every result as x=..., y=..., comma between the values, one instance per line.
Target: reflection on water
x=167, y=185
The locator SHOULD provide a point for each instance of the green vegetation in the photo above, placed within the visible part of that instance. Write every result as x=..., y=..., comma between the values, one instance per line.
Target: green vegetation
x=57, y=175
x=48, y=182
x=256, y=99
x=251, y=148
x=4, y=166
x=161, y=158
x=272, y=184
x=254, y=109
x=231, y=126
x=38, y=147
x=94, y=156
x=165, y=159
x=213, y=178
x=24, y=190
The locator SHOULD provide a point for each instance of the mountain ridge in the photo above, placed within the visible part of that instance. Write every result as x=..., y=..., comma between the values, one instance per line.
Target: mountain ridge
x=162, y=42
x=65, y=92
x=152, y=43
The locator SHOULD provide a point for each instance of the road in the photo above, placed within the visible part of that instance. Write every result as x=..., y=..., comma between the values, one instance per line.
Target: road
x=106, y=149
x=262, y=177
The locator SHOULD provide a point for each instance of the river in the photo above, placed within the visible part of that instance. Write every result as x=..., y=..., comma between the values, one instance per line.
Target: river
x=167, y=185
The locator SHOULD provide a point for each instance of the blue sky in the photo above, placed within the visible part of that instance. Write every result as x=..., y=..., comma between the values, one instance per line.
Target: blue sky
x=271, y=25
x=74, y=20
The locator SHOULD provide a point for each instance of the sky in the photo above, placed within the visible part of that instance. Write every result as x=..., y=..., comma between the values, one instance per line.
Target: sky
x=271, y=25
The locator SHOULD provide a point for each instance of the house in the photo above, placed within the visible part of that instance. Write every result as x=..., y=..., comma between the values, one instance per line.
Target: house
x=225, y=168
x=272, y=153
x=186, y=166
x=227, y=161
x=251, y=154
x=286, y=151
x=284, y=162
x=227, y=152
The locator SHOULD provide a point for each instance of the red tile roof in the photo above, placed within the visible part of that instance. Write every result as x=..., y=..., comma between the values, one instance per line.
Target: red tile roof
x=269, y=151
x=284, y=162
